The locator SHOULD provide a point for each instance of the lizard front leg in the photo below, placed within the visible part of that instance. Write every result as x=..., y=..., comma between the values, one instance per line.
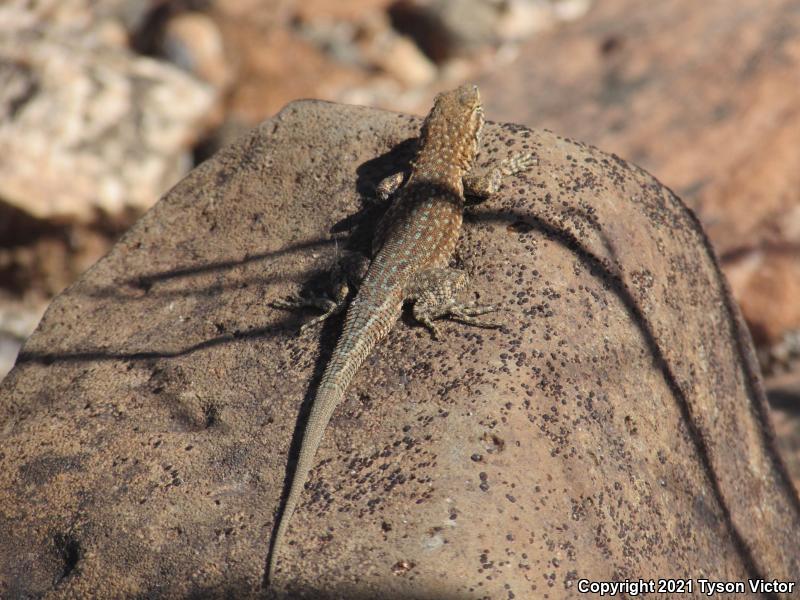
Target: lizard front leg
x=478, y=188
x=433, y=292
x=389, y=185
x=348, y=272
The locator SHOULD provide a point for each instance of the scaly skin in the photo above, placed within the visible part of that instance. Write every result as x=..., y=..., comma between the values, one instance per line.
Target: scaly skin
x=413, y=245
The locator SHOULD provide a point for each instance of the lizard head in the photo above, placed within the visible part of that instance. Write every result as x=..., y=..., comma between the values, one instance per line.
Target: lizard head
x=451, y=131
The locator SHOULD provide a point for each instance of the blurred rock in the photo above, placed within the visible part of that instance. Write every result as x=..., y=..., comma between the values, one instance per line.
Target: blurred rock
x=262, y=14
x=787, y=433
x=352, y=11
x=9, y=349
x=88, y=127
x=193, y=41
x=396, y=55
x=704, y=95
x=72, y=15
x=38, y=259
x=18, y=319
x=767, y=287
x=370, y=43
x=782, y=358
x=363, y=51
x=784, y=397
x=275, y=64
x=445, y=29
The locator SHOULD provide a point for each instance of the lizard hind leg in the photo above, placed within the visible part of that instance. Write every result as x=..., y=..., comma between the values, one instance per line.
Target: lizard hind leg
x=434, y=295
x=349, y=270
x=329, y=306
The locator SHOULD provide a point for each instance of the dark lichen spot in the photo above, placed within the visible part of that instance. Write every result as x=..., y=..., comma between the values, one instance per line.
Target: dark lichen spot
x=210, y=415
x=41, y=470
x=69, y=552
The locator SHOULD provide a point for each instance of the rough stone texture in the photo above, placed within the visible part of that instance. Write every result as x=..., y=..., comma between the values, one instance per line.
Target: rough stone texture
x=86, y=127
x=615, y=427
x=705, y=95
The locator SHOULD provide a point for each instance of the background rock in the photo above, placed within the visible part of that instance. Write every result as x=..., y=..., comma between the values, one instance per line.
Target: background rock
x=87, y=127
x=448, y=28
x=361, y=51
x=193, y=41
x=73, y=15
x=90, y=136
x=615, y=427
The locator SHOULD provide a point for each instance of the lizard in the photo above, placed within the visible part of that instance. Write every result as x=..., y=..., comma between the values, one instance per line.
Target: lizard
x=412, y=247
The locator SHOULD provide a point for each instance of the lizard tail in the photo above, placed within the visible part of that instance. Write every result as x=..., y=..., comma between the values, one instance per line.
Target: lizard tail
x=355, y=343
x=325, y=402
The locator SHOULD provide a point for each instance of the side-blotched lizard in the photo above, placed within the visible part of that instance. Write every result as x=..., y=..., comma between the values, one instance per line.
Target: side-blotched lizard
x=412, y=247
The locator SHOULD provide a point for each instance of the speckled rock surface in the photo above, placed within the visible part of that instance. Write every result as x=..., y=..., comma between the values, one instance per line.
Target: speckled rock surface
x=613, y=428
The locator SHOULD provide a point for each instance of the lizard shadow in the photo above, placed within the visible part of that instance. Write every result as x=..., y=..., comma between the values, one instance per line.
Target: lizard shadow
x=371, y=173
x=242, y=589
x=144, y=282
x=358, y=227
x=49, y=358
x=359, y=224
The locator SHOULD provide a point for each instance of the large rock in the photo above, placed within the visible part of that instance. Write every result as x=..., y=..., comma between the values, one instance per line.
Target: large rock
x=705, y=96
x=614, y=428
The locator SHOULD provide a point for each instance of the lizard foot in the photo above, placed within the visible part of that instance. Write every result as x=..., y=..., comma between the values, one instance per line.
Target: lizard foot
x=481, y=187
x=516, y=163
x=466, y=313
x=434, y=293
x=328, y=306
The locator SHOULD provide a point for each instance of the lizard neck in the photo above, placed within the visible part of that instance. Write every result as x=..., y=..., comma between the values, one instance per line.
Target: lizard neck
x=446, y=159
x=441, y=176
